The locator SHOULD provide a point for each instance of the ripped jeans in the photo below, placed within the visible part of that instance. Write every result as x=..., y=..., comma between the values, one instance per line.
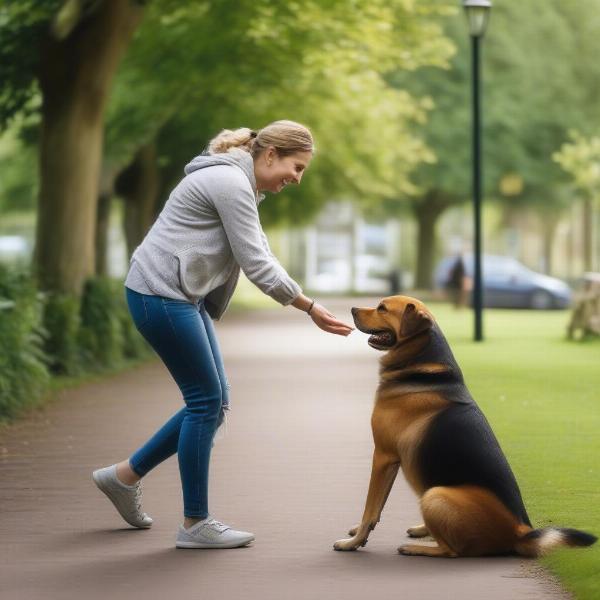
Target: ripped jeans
x=182, y=334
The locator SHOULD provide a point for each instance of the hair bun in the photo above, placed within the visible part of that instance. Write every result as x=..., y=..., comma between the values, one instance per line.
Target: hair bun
x=227, y=139
x=287, y=137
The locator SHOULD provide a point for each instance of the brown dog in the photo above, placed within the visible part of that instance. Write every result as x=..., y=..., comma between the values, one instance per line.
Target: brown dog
x=425, y=421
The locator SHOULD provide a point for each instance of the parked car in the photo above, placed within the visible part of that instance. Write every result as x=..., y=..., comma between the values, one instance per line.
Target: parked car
x=509, y=284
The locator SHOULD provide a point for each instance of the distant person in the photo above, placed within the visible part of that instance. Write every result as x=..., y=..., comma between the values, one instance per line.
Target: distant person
x=458, y=283
x=180, y=278
x=395, y=282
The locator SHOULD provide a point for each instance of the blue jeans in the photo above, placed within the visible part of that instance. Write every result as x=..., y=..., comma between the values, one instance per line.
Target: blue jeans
x=182, y=334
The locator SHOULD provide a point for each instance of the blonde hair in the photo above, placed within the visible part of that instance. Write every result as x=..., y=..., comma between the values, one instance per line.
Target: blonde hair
x=287, y=137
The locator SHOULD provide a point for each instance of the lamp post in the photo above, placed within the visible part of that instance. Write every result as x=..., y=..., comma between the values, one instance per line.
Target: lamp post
x=477, y=12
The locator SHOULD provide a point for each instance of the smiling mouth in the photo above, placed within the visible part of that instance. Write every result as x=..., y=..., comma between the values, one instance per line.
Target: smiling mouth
x=381, y=339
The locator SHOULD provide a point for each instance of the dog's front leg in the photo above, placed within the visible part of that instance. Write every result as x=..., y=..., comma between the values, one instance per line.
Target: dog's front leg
x=383, y=473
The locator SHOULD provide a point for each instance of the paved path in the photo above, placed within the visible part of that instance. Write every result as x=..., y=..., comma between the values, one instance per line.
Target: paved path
x=293, y=468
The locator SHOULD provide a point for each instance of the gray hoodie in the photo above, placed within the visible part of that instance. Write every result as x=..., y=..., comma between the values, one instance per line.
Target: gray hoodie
x=208, y=229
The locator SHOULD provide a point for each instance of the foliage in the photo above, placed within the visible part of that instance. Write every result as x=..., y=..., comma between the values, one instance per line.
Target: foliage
x=202, y=66
x=224, y=64
x=532, y=94
x=580, y=158
x=100, y=336
x=62, y=322
x=23, y=371
x=526, y=112
x=23, y=24
x=134, y=346
x=18, y=184
x=43, y=336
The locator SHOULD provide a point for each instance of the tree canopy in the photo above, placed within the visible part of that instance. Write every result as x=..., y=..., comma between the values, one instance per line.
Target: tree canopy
x=228, y=64
x=539, y=74
x=195, y=68
x=375, y=80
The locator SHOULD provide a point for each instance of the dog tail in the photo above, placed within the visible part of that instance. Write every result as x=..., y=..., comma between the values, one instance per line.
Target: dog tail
x=538, y=542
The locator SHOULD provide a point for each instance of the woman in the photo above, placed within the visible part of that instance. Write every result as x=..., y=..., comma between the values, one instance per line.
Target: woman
x=183, y=275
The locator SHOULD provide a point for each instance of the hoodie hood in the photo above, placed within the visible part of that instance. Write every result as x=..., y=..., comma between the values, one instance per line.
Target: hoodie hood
x=235, y=157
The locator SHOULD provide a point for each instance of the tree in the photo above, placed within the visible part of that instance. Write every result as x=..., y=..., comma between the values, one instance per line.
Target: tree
x=580, y=158
x=75, y=50
x=247, y=63
x=526, y=113
x=195, y=68
x=78, y=63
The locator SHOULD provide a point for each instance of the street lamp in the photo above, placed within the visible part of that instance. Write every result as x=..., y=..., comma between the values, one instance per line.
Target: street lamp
x=477, y=12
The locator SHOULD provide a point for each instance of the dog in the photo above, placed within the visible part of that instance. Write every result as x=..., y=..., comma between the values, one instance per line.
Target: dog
x=426, y=422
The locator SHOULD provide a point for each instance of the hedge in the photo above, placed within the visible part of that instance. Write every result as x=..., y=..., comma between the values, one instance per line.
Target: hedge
x=47, y=335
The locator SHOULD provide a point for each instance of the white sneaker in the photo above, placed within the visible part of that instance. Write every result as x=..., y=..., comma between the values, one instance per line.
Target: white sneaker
x=211, y=533
x=126, y=498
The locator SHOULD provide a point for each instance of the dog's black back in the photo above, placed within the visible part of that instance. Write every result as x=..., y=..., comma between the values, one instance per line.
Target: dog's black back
x=459, y=446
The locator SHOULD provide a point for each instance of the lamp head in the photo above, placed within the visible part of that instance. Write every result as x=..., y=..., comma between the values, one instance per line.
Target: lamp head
x=478, y=14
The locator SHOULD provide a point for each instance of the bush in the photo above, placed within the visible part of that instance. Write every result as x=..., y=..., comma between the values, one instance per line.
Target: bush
x=100, y=336
x=62, y=323
x=52, y=333
x=134, y=345
x=24, y=374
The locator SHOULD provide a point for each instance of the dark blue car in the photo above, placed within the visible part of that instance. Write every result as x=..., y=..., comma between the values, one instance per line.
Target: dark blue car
x=509, y=284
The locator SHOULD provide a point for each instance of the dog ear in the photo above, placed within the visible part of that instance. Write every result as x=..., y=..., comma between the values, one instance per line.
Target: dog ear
x=414, y=321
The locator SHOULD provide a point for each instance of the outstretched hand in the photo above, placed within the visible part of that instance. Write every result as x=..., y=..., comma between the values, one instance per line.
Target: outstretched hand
x=323, y=319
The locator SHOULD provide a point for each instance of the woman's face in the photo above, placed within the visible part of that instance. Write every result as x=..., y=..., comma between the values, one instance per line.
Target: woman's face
x=273, y=172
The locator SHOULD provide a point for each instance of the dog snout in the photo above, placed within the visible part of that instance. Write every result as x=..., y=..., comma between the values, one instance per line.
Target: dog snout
x=356, y=317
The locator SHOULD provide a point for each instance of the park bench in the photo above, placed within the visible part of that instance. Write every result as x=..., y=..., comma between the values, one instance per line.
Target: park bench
x=585, y=320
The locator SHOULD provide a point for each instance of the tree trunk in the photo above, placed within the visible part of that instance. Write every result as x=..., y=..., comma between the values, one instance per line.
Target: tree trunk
x=549, y=225
x=427, y=212
x=138, y=185
x=588, y=240
x=75, y=79
x=105, y=195
x=102, y=226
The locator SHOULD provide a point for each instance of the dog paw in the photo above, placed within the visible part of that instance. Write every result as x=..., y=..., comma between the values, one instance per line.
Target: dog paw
x=417, y=532
x=348, y=544
x=353, y=530
x=407, y=550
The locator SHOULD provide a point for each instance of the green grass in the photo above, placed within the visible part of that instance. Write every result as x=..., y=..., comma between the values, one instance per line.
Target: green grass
x=542, y=395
